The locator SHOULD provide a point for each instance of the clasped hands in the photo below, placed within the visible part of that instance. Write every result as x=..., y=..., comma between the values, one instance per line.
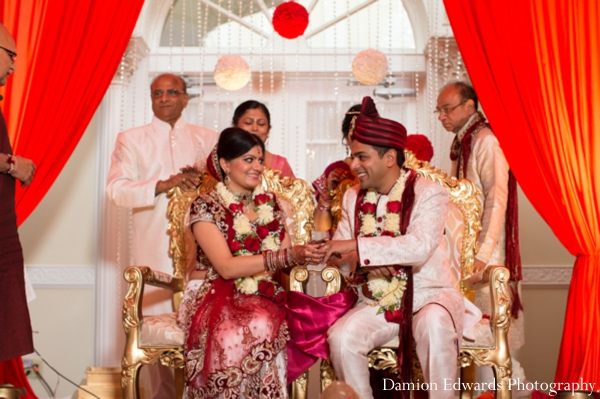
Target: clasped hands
x=322, y=251
x=188, y=179
x=339, y=253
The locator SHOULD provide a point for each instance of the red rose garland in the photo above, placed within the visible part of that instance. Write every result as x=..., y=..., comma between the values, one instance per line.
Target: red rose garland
x=387, y=291
x=290, y=20
x=267, y=234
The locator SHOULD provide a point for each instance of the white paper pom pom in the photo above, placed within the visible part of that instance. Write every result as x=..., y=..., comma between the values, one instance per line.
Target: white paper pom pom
x=232, y=72
x=370, y=67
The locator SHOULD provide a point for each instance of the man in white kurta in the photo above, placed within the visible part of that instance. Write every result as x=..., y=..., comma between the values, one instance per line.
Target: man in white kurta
x=488, y=169
x=438, y=307
x=145, y=164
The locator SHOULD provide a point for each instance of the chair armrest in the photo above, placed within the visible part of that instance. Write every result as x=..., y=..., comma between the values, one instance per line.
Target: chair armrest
x=298, y=278
x=333, y=279
x=137, y=277
x=153, y=278
x=497, y=279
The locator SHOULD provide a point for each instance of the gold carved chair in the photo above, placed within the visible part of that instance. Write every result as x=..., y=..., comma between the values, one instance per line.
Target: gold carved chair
x=153, y=339
x=490, y=348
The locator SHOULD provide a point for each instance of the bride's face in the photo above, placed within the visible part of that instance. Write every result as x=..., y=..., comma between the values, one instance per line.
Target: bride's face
x=244, y=172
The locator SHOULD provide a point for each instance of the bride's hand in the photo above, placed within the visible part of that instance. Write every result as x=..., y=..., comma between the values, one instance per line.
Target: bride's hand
x=310, y=253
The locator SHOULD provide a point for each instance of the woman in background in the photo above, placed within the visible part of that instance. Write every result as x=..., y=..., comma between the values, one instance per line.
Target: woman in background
x=335, y=174
x=254, y=117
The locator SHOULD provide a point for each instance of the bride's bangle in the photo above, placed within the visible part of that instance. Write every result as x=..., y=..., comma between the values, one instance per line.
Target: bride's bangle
x=278, y=260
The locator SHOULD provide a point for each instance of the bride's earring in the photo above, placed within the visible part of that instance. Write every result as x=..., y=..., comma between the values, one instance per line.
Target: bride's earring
x=226, y=181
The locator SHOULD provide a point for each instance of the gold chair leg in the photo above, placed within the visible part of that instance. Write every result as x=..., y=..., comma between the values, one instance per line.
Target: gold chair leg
x=130, y=377
x=502, y=381
x=300, y=387
x=327, y=374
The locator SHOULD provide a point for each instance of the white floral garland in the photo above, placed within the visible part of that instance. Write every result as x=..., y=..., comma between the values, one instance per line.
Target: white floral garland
x=392, y=219
x=249, y=285
x=387, y=292
x=243, y=228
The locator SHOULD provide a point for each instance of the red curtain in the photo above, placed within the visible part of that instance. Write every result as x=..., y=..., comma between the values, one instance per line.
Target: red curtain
x=68, y=52
x=11, y=372
x=536, y=68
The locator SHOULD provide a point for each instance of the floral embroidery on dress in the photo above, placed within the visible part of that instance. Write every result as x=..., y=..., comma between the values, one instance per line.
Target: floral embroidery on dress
x=235, y=342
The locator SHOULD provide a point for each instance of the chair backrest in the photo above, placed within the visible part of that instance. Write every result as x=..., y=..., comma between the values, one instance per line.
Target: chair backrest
x=298, y=194
x=453, y=233
x=297, y=202
x=464, y=215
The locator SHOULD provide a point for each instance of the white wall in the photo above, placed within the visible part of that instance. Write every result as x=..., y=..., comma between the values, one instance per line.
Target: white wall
x=58, y=246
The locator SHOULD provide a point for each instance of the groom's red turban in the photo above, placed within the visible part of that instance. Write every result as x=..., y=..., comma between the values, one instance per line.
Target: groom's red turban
x=370, y=128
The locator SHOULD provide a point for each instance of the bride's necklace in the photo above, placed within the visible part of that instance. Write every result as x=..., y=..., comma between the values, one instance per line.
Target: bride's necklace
x=248, y=240
x=245, y=199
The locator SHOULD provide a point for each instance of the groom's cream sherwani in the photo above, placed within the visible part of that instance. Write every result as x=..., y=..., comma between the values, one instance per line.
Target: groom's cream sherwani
x=438, y=307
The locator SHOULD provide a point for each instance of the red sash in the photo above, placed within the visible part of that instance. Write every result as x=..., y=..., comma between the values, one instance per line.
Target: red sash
x=402, y=317
x=461, y=151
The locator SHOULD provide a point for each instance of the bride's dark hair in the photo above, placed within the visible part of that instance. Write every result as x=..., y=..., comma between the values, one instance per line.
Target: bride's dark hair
x=235, y=142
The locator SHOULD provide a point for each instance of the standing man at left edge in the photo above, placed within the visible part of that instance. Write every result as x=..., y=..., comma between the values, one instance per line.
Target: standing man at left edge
x=15, y=336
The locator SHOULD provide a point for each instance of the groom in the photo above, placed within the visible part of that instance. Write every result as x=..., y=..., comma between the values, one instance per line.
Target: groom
x=395, y=221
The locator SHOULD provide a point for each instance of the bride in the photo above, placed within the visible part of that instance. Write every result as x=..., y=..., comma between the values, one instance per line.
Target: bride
x=236, y=334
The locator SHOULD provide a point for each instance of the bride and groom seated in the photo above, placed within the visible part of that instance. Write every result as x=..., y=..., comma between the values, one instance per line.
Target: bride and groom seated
x=392, y=223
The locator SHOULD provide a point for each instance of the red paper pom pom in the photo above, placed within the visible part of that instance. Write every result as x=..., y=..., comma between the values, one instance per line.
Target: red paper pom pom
x=420, y=146
x=290, y=19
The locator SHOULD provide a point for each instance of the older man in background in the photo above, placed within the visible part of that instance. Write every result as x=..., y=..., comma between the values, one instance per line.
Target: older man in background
x=147, y=162
x=476, y=155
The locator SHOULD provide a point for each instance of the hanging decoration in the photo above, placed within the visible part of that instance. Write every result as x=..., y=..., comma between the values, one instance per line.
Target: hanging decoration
x=231, y=72
x=420, y=146
x=290, y=19
x=370, y=67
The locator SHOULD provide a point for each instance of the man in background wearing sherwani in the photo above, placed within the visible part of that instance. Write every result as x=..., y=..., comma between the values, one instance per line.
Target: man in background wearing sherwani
x=146, y=163
x=477, y=156
x=16, y=337
x=436, y=310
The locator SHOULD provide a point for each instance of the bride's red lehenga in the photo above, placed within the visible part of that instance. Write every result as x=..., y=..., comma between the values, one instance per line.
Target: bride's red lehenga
x=235, y=343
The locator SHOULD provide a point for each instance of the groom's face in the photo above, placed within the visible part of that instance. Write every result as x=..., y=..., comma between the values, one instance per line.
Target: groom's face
x=370, y=168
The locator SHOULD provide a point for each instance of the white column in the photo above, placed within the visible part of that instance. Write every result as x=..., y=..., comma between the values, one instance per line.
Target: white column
x=112, y=242
x=113, y=223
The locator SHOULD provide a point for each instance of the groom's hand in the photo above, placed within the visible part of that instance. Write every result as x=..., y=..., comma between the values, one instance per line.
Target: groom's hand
x=338, y=247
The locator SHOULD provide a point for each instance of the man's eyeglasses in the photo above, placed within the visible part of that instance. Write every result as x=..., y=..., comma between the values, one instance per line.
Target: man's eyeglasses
x=11, y=54
x=446, y=110
x=170, y=93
